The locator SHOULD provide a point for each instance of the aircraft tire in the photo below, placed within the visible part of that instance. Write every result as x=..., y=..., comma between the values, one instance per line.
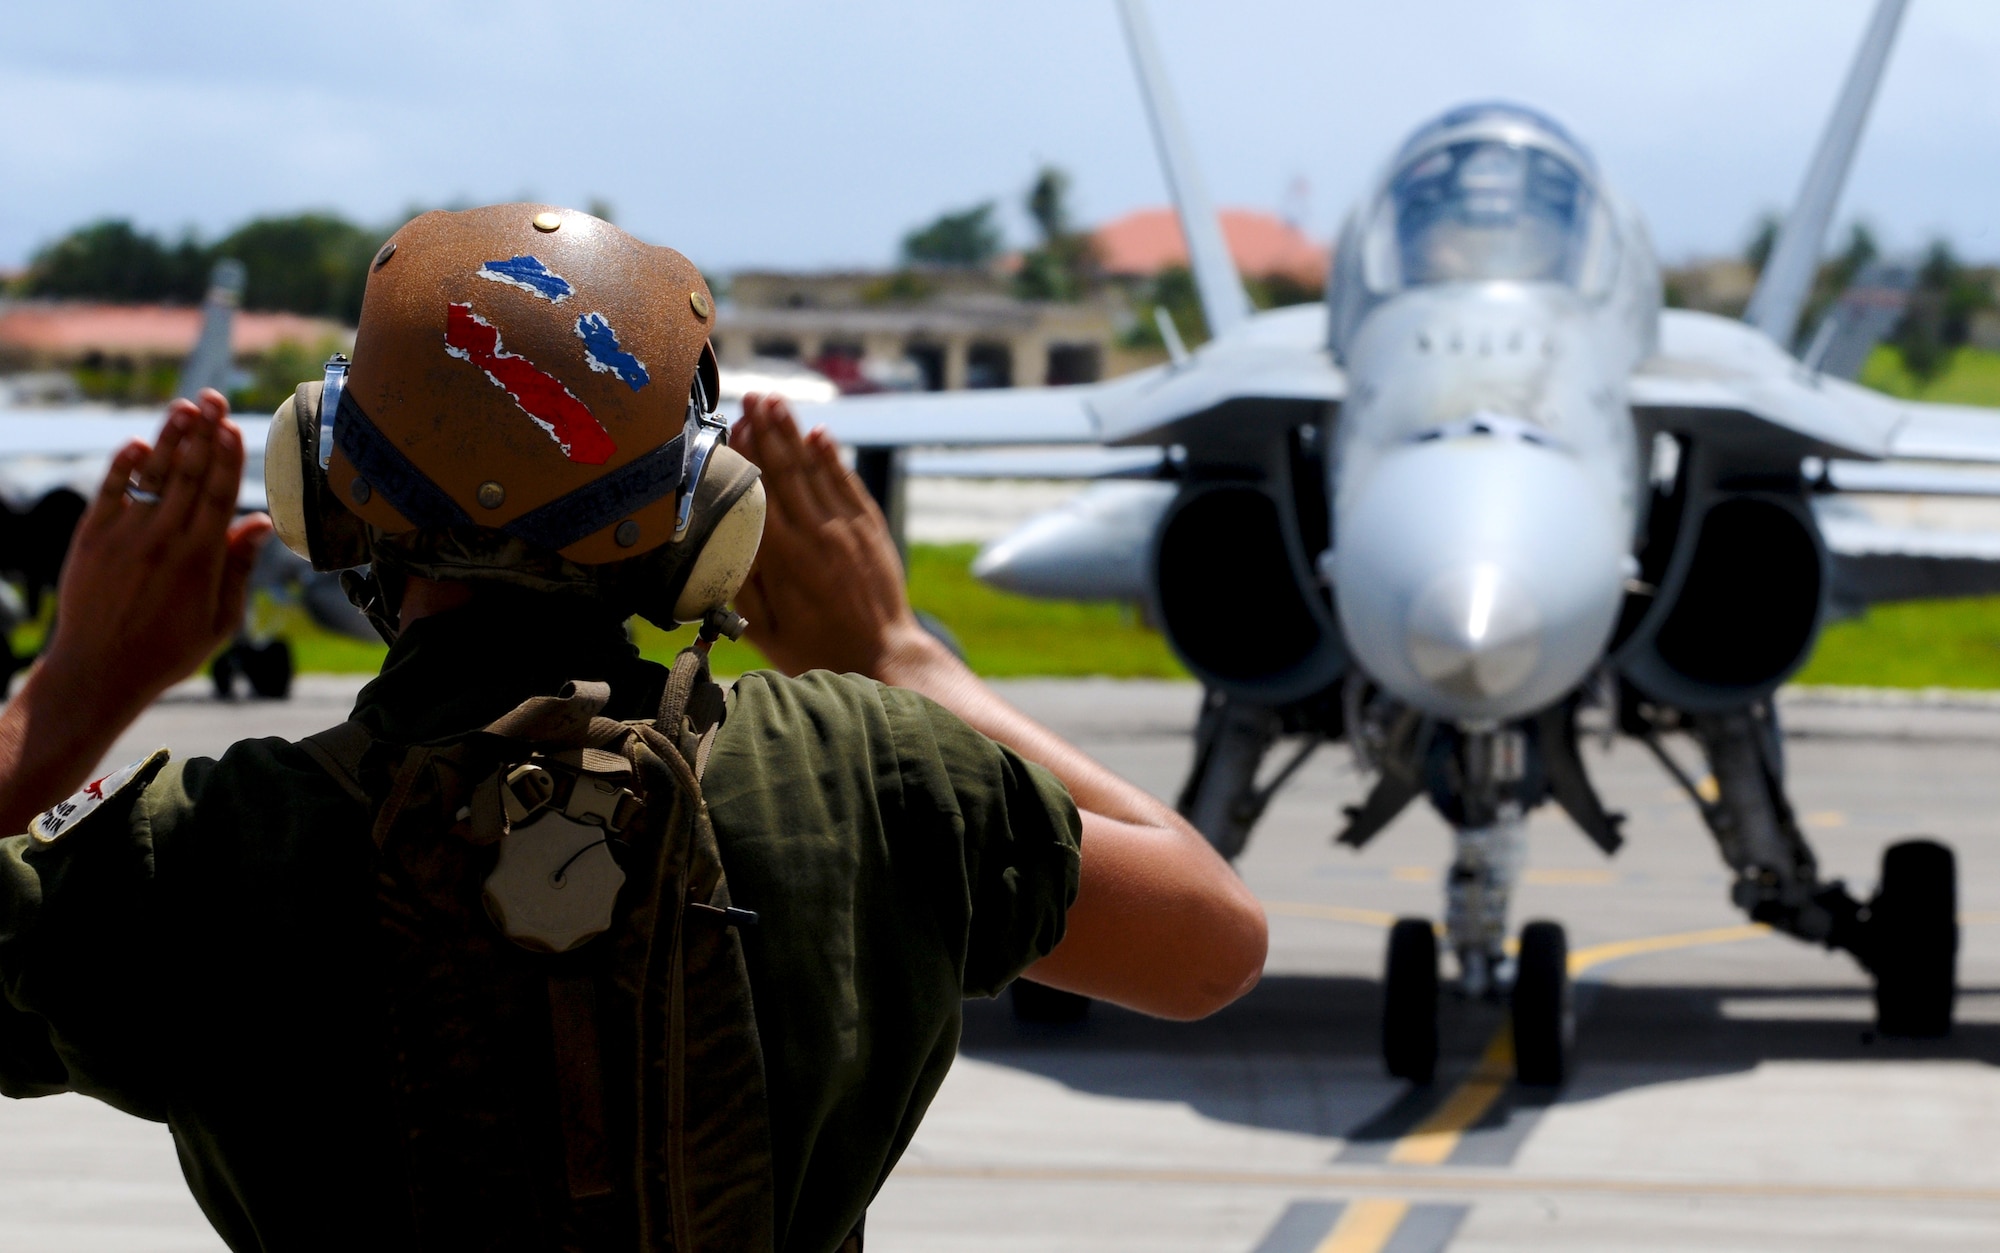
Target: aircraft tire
x=222, y=672
x=1915, y=920
x=1410, y=1001
x=269, y=669
x=1040, y=1003
x=1544, y=1022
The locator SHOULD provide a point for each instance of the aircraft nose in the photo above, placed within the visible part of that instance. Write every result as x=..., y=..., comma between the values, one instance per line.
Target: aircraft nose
x=1478, y=579
x=1474, y=632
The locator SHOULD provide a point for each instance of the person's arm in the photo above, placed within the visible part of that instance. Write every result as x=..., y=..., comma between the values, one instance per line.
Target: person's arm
x=1161, y=923
x=149, y=591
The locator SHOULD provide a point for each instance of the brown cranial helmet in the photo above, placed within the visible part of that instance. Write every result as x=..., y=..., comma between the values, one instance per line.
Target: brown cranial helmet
x=531, y=387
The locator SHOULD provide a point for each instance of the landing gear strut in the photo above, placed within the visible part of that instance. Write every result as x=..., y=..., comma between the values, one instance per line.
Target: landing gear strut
x=1906, y=936
x=1487, y=786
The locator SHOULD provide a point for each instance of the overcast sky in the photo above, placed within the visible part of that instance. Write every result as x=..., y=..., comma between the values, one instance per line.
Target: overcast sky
x=759, y=132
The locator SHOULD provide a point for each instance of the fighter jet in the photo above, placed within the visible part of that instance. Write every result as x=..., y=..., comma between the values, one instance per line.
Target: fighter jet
x=1488, y=486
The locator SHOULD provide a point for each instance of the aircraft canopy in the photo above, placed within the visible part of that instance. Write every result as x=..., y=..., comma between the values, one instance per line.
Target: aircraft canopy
x=1490, y=195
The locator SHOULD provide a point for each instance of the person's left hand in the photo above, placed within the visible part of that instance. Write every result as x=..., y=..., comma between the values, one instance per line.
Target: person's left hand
x=155, y=579
x=826, y=591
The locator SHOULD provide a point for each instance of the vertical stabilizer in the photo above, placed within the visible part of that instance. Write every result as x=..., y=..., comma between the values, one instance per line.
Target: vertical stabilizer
x=210, y=364
x=1788, y=275
x=1223, y=301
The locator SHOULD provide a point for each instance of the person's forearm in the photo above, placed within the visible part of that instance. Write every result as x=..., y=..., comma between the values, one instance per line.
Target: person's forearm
x=53, y=734
x=1161, y=924
x=918, y=662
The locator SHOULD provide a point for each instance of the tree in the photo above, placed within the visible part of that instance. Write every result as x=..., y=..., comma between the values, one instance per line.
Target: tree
x=311, y=263
x=110, y=260
x=966, y=238
x=1939, y=319
x=1171, y=289
x=1064, y=266
x=1836, y=276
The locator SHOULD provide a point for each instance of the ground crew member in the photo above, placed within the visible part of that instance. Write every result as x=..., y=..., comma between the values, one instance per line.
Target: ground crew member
x=524, y=454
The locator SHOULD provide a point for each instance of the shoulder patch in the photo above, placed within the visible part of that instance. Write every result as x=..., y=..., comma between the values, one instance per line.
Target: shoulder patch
x=66, y=816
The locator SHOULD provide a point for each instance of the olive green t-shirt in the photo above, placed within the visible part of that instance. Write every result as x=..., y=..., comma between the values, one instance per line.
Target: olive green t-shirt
x=197, y=947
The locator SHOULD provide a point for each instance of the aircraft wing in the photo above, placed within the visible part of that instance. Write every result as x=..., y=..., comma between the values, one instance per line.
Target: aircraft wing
x=1728, y=381
x=1276, y=361
x=1009, y=416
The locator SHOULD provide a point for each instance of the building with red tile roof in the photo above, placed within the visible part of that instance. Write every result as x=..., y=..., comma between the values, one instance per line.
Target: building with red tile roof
x=45, y=334
x=1263, y=245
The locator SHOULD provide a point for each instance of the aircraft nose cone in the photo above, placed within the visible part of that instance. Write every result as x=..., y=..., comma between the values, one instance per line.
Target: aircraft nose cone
x=1474, y=633
x=1479, y=579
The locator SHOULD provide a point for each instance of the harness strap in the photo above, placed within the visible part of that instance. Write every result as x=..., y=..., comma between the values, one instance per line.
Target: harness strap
x=691, y=708
x=579, y=1083
x=339, y=751
x=562, y=719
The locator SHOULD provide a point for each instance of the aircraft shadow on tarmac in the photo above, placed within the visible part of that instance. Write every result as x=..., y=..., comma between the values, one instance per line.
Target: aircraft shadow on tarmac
x=1301, y=1052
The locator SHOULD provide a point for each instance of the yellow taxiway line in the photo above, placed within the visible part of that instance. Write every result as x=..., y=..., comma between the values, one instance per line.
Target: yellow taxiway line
x=1599, y=954
x=1367, y=1226
x=1433, y=1141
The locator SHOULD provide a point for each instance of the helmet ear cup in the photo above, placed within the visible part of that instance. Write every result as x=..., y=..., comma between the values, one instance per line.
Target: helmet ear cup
x=313, y=523
x=682, y=580
x=724, y=561
x=285, y=479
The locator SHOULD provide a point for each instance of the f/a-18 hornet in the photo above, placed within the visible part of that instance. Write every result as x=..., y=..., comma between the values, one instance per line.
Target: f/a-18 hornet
x=1489, y=482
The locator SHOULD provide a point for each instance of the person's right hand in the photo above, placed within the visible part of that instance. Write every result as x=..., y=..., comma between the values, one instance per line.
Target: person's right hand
x=150, y=590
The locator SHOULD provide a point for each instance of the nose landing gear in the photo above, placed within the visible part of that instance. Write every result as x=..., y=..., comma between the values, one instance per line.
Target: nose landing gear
x=1542, y=1012
x=1544, y=1018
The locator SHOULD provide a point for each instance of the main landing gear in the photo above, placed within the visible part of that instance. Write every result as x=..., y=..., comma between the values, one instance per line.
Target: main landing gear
x=1906, y=935
x=267, y=668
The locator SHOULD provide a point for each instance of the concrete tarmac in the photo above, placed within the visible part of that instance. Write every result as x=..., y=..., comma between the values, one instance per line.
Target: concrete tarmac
x=1729, y=1094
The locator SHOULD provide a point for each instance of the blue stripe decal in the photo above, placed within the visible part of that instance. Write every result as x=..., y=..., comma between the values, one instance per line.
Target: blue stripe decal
x=602, y=353
x=530, y=275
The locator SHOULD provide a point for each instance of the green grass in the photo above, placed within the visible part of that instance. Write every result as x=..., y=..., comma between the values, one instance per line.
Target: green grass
x=1971, y=376
x=1936, y=643
x=1952, y=644
x=1003, y=636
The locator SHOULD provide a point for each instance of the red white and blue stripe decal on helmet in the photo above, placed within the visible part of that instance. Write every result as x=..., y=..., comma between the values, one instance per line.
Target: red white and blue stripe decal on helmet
x=602, y=353
x=531, y=276
x=540, y=395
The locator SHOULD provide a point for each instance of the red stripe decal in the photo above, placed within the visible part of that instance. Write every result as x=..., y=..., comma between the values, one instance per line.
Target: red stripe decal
x=547, y=402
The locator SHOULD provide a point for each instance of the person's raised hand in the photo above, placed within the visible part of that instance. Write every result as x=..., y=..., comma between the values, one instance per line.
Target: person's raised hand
x=826, y=591
x=158, y=569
